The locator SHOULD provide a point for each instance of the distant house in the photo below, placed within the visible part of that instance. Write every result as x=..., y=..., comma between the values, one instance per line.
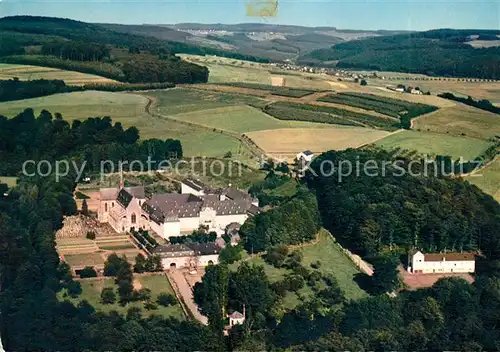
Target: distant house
x=420, y=263
x=306, y=156
x=416, y=91
x=236, y=318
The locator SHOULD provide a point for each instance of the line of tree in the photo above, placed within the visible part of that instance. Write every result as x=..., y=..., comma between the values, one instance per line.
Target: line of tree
x=480, y=104
x=14, y=89
x=26, y=137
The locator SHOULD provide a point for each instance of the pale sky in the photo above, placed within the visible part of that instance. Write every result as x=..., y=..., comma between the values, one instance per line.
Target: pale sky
x=368, y=14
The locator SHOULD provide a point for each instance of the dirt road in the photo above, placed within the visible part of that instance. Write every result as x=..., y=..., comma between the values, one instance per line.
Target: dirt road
x=183, y=289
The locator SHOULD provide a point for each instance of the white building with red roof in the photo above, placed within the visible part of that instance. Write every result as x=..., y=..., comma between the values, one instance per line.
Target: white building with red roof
x=438, y=263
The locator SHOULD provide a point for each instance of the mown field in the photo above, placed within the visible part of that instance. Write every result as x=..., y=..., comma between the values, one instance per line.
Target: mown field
x=431, y=144
x=240, y=119
x=28, y=72
x=333, y=261
x=182, y=100
x=488, y=179
x=157, y=284
x=223, y=70
x=461, y=120
x=129, y=110
x=288, y=142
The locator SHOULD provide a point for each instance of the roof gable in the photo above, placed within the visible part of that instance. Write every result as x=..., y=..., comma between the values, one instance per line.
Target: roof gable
x=124, y=198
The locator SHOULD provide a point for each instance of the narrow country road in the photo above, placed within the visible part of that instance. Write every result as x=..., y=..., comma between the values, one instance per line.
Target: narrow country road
x=184, y=290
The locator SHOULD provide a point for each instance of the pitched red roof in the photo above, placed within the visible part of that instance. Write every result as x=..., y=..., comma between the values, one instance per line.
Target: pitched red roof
x=450, y=257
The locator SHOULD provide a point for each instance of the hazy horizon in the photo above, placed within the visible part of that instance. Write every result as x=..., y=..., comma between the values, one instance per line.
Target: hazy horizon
x=369, y=15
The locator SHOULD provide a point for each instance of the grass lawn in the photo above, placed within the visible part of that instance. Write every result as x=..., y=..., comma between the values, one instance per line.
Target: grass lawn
x=28, y=72
x=182, y=100
x=488, y=180
x=287, y=189
x=435, y=144
x=9, y=180
x=460, y=119
x=127, y=108
x=157, y=284
x=333, y=261
x=240, y=119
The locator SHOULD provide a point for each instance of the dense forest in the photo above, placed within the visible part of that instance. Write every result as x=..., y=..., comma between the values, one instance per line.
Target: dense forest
x=15, y=89
x=438, y=52
x=26, y=137
x=44, y=41
x=396, y=210
x=35, y=29
x=78, y=51
x=293, y=222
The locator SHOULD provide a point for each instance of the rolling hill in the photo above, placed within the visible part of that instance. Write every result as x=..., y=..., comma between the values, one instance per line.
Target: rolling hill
x=443, y=52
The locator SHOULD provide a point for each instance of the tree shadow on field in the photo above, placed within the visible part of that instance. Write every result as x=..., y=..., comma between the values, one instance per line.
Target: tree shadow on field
x=364, y=282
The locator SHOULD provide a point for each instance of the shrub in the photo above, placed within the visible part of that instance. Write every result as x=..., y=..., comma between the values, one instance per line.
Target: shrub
x=149, y=305
x=88, y=271
x=316, y=265
x=276, y=255
x=294, y=282
x=108, y=295
x=301, y=271
x=91, y=235
x=230, y=254
x=166, y=299
x=144, y=294
x=74, y=289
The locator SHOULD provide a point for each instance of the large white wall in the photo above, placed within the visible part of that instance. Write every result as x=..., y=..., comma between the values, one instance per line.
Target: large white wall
x=224, y=220
x=459, y=266
x=205, y=260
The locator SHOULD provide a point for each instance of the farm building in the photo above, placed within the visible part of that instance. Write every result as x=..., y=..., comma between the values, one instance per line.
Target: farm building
x=172, y=214
x=192, y=255
x=420, y=263
x=306, y=156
